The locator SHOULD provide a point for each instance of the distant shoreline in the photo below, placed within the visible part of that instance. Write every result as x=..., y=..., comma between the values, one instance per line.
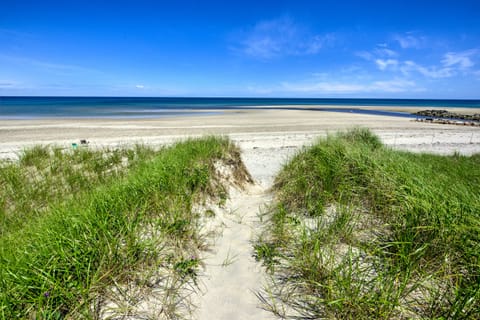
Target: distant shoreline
x=146, y=108
x=395, y=111
x=276, y=125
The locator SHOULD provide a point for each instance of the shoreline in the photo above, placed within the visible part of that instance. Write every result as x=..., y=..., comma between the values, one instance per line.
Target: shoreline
x=255, y=126
x=402, y=109
x=166, y=113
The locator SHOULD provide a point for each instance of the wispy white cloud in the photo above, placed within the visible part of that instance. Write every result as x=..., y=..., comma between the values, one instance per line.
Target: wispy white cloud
x=384, y=64
x=256, y=89
x=407, y=41
x=365, y=55
x=314, y=44
x=52, y=67
x=382, y=56
x=381, y=52
x=139, y=86
x=282, y=37
x=322, y=87
x=462, y=60
x=433, y=72
x=385, y=52
x=335, y=87
x=452, y=64
x=396, y=85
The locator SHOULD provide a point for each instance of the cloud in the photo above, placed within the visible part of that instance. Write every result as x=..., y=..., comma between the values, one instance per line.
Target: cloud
x=282, y=37
x=395, y=85
x=365, y=55
x=390, y=86
x=384, y=64
x=385, y=52
x=314, y=44
x=57, y=68
x=139, y=86
x=461, y=60
x=259, y=89
x=429, y=72
x=380, y=52
x=381, y=56
x=409, y=41
x=321, y=87
x=453, y=63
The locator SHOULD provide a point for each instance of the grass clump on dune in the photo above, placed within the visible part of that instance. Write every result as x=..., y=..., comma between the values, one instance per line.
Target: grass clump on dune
x=48, y=175
x=360, y=231
x=93, y=239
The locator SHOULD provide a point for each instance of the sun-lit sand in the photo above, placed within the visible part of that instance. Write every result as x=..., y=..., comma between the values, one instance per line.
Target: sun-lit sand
x=275, y=128
x=267, y=139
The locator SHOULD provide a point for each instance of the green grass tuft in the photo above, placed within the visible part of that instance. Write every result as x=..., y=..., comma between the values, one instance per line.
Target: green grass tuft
x=76, y=224
x=48, y=175
x=362, y=231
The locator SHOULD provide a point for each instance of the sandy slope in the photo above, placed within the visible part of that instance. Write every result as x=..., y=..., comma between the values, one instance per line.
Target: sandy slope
x=232, y=276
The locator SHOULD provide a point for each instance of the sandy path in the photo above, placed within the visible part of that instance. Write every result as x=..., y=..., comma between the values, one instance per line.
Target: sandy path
x=232, y=276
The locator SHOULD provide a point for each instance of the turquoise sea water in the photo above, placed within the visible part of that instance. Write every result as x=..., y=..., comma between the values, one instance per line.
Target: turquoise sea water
x=124, y=107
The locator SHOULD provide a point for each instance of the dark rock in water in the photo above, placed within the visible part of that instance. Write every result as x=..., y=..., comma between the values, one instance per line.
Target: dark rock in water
x=444, y=114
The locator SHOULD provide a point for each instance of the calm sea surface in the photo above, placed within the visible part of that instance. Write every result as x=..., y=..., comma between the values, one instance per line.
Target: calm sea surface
x=116, y=107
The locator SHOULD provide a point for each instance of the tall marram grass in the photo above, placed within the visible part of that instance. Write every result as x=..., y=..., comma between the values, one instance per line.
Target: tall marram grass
x=48, y=175
x=361, y=231
x=75, y=239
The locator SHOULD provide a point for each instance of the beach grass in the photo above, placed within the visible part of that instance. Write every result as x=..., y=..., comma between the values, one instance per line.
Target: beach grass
x=46, y=175
x=79, y=226
x=361, y=231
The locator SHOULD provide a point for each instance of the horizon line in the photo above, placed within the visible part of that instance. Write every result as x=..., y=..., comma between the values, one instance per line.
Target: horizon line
x=233, y=97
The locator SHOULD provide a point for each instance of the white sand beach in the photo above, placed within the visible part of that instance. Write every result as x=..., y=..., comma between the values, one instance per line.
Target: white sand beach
x=250, y=128
x=267, y=139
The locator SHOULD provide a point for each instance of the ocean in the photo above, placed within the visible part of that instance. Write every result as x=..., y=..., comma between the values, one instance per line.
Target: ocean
x=139, y=107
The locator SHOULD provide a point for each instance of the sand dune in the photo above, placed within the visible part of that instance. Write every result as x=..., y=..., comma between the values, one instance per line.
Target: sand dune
x=267, y=139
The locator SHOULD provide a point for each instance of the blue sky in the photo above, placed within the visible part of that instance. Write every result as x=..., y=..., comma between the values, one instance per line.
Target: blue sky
x=383, y=49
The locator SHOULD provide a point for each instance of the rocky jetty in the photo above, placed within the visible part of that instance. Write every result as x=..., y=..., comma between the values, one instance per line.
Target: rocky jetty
x=444, y=114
